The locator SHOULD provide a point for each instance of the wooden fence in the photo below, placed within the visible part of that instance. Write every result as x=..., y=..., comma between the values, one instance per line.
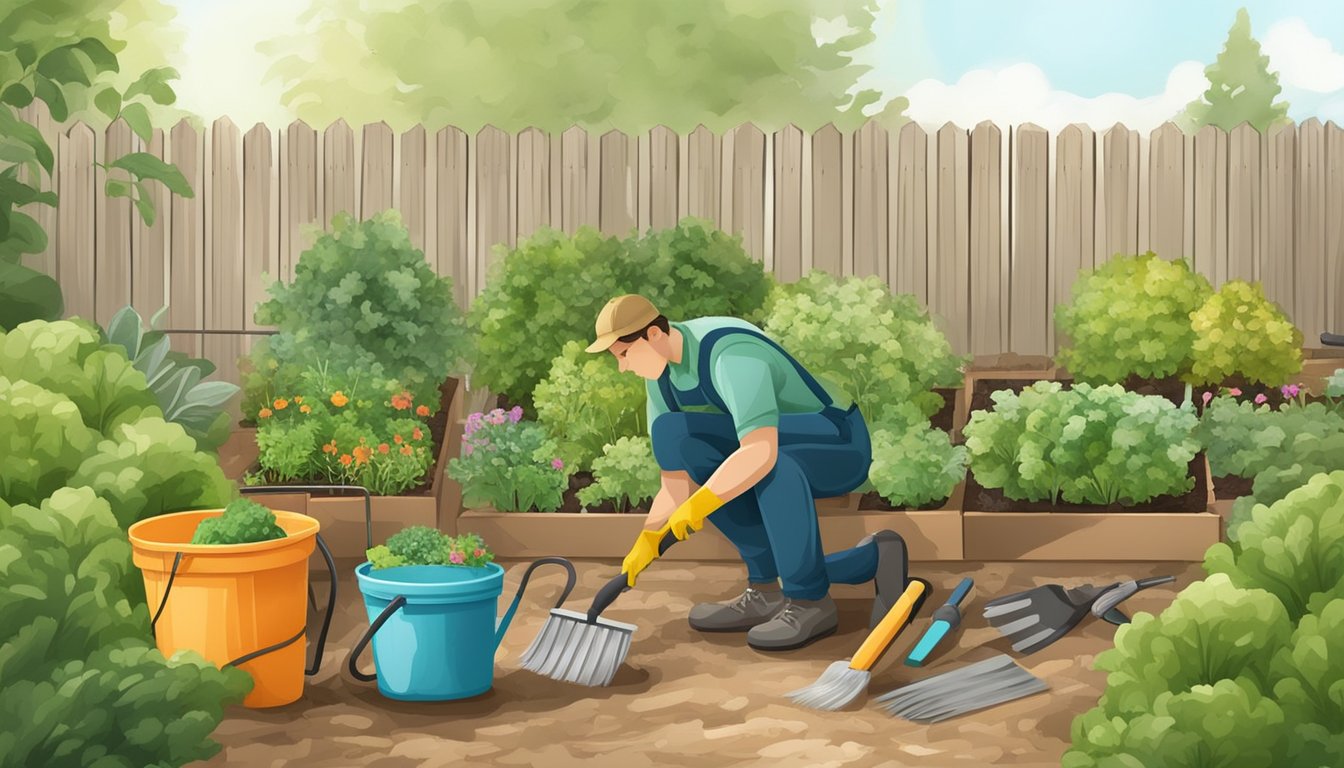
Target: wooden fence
x=987, y=226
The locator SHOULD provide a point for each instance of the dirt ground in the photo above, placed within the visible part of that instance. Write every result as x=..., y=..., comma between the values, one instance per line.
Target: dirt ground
x=687, y=699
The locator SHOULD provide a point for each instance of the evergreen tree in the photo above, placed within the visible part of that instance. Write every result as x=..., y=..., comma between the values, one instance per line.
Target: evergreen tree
x=1241, y=87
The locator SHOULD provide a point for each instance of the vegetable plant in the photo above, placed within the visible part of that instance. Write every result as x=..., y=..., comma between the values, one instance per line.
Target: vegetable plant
x=363, y=298
x=524, y=321
x=1242, y=438
x=422, y=545
x=915, y=466
x=626, y=474
x=244, y=521
x=508, y=464
x=1088, y=445
x=175, y=379
x=585, y=403
x=1239, y=332
x=877, y=347
x=1131, y=317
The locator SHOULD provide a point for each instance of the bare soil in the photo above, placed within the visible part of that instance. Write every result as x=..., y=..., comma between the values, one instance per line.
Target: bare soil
x=689, y=699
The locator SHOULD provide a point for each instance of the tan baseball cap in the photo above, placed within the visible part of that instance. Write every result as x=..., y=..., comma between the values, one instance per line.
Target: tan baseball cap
x=622, y=316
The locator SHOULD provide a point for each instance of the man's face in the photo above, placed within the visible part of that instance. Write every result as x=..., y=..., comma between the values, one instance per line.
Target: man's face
x=640, y=357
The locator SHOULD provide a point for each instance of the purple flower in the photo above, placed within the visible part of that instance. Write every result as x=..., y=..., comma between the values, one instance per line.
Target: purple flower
x=557, y=464
x=516, y=413
x=1207, y=397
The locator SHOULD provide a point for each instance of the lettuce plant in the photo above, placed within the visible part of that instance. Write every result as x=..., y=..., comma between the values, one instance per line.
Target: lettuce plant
x=626, y=474
x=585, y=403
x=1302, y=457
x=1088, y=445
x=1131, y=316
x=1239, y=332
x=1242, y=438
x=508, y=464
x=916, y=465
x=1293, y=549
x=1310, y=687
x=549, y=289
x=879, y=348
x=363, y=298
x=243, y=522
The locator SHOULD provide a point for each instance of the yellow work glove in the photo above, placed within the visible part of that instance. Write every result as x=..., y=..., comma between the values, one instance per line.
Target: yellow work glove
x=644, y=551
x=690, y=516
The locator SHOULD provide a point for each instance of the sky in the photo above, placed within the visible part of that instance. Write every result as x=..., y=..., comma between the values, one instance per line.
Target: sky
x=1048, y=62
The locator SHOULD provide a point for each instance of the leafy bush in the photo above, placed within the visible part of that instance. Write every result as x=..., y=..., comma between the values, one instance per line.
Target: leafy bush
x=1293, y=549
x=585, y=403
x=363, y=298
x=1240, y=332
x=524, y=322
x=422, y=545
x=243, y=522
x=345, y=430
x=1242, y=439
x=1088, y=445
x=1334, y=385
x=1303, y=457
x=878, y=347
x=78, y=668
x=626, y=474
x=508, y=464
x=1131, y=316
x=175, y=379
x=915, y=466
x=1310, y=672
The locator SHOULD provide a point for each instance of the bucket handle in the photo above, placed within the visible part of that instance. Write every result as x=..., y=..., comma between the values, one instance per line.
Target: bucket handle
x=321, y=637
x=502, y=624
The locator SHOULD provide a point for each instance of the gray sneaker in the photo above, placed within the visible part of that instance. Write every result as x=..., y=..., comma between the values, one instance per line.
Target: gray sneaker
x=747, y=610
x=798, y=623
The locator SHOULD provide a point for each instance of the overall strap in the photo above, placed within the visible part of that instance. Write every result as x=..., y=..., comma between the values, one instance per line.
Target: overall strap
x=665, y=386
x=707, y=383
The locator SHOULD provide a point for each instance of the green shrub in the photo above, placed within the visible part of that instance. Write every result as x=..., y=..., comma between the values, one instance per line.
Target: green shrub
x=549, y=290
x=1239, y=332
x=586, y=403
x=626, y=474
x=1303, y=457
x=915, y=466
x=422, y=545
x=878, y=347
x=1088, y=445
x=364, y=299
x=76, y=663
x=508, y=464
x=1131, y=316
x=1293, y=549
x=1310, y=687
x=175, y=380
x=243, y=522
x=1242, y=438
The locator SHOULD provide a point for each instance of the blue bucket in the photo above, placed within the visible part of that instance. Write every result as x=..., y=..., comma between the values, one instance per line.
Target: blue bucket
x=434, y=629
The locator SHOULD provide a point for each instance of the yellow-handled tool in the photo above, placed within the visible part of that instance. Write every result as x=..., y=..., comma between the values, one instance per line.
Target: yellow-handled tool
x=843, y=681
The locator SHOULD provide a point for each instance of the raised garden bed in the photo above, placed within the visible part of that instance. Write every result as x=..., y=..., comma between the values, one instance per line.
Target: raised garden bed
x=432, y=503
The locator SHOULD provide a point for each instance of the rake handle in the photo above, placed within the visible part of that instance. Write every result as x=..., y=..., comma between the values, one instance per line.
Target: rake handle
x=887, y=629
x=619, y=583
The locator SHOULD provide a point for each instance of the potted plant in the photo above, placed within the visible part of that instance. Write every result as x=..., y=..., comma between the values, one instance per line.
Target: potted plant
x=1053, y=456
x=432, y=602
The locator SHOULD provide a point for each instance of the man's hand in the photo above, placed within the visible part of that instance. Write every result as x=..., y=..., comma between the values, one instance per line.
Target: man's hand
x=690, y=516
x=644, y=551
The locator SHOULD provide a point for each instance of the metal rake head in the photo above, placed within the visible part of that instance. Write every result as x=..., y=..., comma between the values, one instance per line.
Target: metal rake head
x=571, y=649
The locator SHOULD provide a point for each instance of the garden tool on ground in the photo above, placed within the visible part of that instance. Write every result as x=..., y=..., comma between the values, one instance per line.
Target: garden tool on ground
x=583, y=648
x=843, y=681
x=980, y=685
x=1038, y=617
x=945, y=619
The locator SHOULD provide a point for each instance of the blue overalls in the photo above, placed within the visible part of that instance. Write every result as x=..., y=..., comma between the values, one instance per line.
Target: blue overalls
x=774, y=524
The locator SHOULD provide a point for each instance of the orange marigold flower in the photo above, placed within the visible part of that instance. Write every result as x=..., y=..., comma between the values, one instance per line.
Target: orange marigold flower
x=281, y=403
x=383, y=448
x=422, y=410
x=346, y=459
x=330, y=448
x=416, y=434
x=406, y=450
x=264, y=413
x=305, y=409
x=298, y=399
x=339, y=399
x=362, y=454
x=396, y=439
x=402, y=401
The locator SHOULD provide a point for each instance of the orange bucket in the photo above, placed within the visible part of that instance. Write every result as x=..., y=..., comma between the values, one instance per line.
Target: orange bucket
x=229, y=602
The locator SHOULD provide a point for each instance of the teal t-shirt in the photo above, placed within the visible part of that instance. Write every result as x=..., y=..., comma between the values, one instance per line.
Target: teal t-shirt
x=756, y=382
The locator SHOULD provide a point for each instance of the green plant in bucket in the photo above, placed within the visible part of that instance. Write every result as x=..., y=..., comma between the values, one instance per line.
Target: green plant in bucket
x=244, y=521
x=422, y=545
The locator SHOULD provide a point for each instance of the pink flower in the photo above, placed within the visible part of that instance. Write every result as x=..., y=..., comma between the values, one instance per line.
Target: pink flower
x=1290, y=390
x=456, y=557
x=478, y=552
x=516, y=413
x=557, y=464
x=1260, y=398
x=1207, y=397
x=1235, y=391
x=467, y=448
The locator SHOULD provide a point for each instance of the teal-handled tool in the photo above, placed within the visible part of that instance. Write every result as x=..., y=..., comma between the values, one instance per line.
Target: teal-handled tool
x=945, y=619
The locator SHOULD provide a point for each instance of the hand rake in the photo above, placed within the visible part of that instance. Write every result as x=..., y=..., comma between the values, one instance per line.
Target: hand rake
x=1038, y=617
x=582, y=648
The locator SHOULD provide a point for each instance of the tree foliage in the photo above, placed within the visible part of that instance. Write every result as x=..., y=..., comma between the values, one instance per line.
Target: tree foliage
x=1241, y=87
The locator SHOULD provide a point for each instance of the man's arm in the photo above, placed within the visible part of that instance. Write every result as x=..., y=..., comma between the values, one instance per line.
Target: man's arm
x=744, y=468
x=676, y=488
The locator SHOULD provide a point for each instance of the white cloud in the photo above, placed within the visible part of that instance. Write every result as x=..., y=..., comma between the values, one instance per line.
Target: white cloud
x=1021, y=93
x=1303, y=59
